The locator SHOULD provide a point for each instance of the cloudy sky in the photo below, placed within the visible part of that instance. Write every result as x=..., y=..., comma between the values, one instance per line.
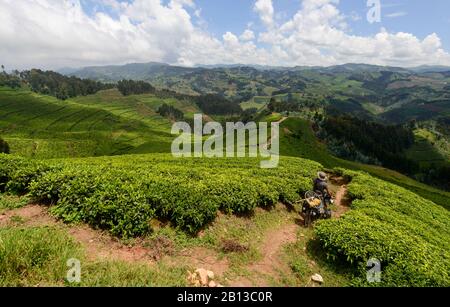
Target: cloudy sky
x=72, y=33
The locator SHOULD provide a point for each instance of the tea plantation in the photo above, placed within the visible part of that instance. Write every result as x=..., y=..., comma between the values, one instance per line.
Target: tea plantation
x=407, y=233
x=121, y=194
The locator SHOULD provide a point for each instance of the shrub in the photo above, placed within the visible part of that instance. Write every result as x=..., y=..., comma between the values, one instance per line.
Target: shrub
x=4, y=147
x=408, y=234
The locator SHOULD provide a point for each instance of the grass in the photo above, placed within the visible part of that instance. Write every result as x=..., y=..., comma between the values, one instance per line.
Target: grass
x=306, y=257
x=33, y=256
x=253, y=104
x=38, y=257
x=9, y=202
x=247, y=231
x=425, y=150
x=30, y=257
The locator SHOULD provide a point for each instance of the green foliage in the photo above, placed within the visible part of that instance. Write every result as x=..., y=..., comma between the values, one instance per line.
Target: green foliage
x=122, y=194
x=16, y=173
x=130, y=87
x=170, y=112
x=59, y=86
x=386, y=143
x=31, y=256
x=38, y=257
x=408, y=234
x=299, y=140
x=4, y=147
x=106, y=123
x=10, y=202
x=8, y=80
x=217, y=105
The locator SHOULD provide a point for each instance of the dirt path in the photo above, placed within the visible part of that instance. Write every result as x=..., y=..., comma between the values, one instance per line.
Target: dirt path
x=269, y=142
x=342, y=201
x=271, y=265
x=31, y=215
x=100, y=245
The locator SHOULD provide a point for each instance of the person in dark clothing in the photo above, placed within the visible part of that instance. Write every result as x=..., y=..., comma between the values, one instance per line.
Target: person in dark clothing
x=321, y=187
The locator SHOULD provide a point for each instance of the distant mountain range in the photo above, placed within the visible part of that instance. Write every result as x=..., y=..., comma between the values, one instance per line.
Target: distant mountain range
x=148, y=70
x=393, y=94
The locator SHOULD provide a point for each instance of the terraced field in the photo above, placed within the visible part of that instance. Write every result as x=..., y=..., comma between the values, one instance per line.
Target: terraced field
x=103, y=124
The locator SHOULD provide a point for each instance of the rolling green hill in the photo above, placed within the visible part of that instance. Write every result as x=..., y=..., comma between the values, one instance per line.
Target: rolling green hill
x=390, y=94
x=428, y=149
x=137, y=189
x=106, y=123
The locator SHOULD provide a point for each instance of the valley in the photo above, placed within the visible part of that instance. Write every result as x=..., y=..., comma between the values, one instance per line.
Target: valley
x=91, y=177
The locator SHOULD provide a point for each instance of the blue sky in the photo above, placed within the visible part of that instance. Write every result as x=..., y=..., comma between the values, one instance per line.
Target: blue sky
x=74, y=33
x=422, y=17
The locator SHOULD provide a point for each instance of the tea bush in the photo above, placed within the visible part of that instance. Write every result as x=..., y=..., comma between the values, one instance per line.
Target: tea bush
x=408, y=234
x=122, y=194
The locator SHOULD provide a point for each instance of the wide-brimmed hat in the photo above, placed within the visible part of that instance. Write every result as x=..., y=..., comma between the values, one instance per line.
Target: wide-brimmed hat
x=322, y=176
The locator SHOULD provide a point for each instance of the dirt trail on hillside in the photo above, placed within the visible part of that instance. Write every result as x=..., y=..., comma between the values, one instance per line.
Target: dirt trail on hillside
x=31, y=215
x=342, y=200
x=271, y=268
x=269, y=142
x=271, y=265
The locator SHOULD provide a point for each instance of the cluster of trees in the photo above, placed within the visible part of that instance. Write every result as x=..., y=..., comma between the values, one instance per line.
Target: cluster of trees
x=60, y=86
x=10, y=80
x=217, y=105
x=249, y=115
x=210, y=103
x=437, y=175
x=170, y=112
x=130, y=87
x=283, y=106
x=4, y=147
x=385, y=143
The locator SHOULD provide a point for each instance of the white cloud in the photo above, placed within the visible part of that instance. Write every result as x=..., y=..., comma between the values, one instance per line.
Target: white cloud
x=265, y=10
x=248, y=35
x=355, y=16
x=318, y=35
x=396, y=14
x=57, y=33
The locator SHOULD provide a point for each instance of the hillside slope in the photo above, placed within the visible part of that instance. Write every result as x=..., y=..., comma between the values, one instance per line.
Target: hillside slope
x=129, y=195
x=106, y=123
x=298, y=140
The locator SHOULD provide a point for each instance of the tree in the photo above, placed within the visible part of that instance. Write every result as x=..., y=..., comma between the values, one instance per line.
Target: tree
x=170, y=112
x=130, y=87
x=217, y=105
x=4, y=147
x=57, y=85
